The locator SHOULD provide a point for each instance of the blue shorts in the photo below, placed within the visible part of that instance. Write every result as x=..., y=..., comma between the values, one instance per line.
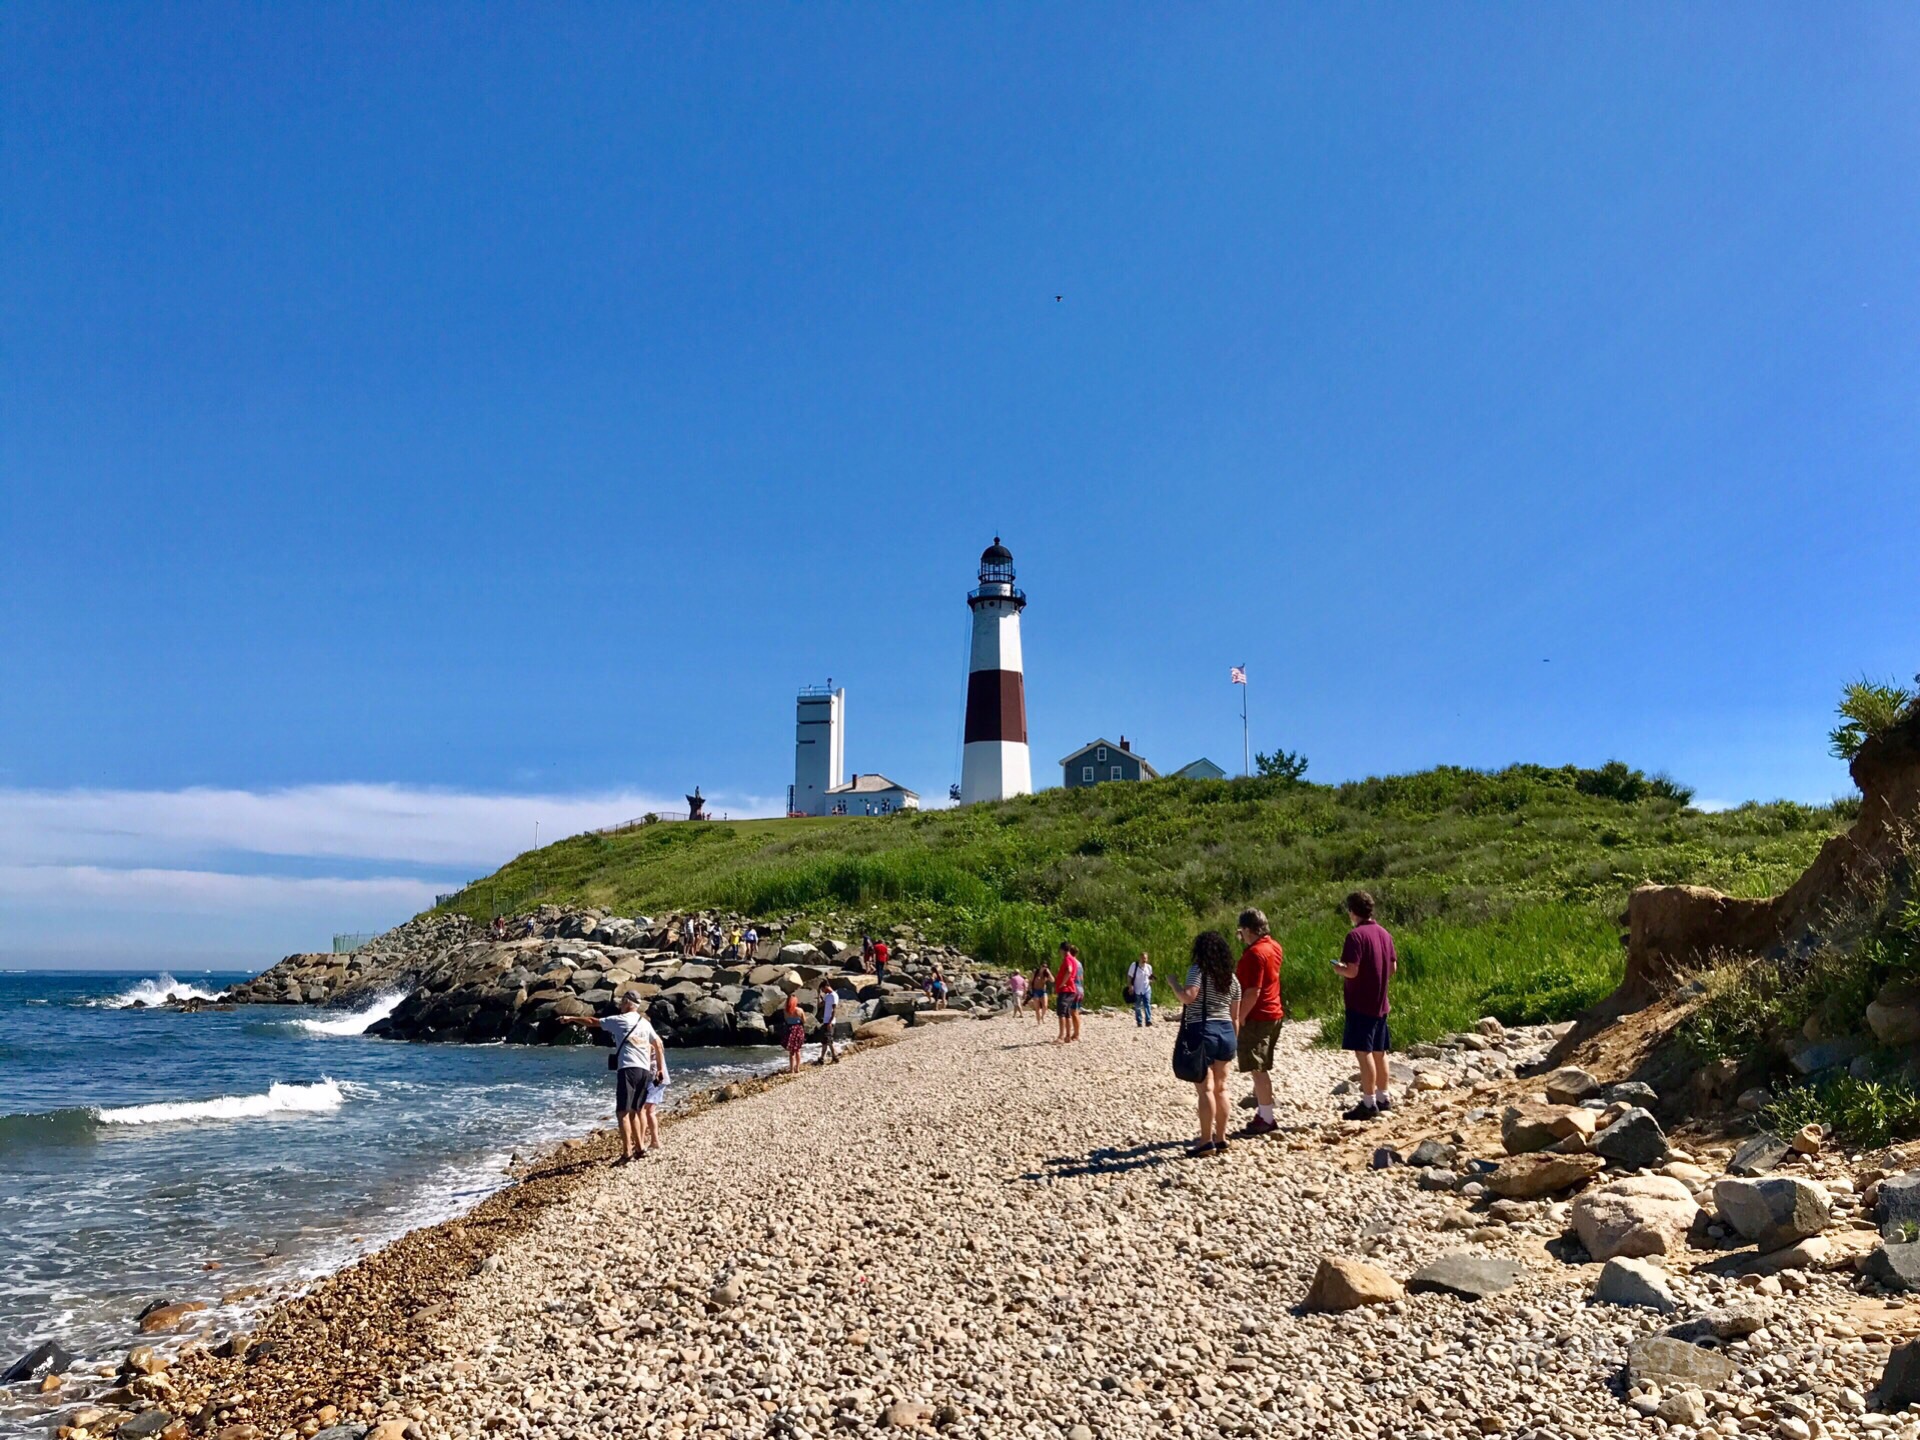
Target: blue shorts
x=1218, y=1039
x=1366, y=1033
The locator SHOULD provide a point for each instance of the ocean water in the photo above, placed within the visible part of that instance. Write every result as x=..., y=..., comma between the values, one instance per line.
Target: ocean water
x=149, y=1154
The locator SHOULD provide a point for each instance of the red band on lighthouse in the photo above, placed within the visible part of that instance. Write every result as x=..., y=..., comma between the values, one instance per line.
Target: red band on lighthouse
x=996, y=706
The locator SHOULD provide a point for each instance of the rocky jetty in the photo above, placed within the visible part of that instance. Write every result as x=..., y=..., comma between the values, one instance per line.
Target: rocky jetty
x=461, y=981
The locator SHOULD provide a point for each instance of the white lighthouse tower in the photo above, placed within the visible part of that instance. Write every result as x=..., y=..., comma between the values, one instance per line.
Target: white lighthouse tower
x=996, y=762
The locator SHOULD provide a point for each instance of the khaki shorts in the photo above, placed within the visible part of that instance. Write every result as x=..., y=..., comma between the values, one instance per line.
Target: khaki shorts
x=1257, y=1039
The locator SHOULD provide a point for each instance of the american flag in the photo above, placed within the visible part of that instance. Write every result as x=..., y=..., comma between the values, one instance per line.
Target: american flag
x=1239, y=674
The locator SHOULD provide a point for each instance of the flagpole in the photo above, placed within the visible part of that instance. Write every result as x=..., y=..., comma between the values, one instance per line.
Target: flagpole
x=1246, y=747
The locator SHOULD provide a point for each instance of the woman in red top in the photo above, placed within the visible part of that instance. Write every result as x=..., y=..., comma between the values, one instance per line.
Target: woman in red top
x=1066, y=994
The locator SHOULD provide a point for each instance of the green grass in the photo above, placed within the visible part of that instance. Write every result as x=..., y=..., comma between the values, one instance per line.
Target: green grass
x=1502, y=888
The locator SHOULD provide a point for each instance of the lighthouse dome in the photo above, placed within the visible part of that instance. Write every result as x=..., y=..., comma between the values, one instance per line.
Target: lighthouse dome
x=996, y=563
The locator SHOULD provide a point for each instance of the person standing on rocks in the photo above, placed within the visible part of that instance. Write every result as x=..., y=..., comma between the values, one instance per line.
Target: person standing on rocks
x=1366, y=965
x=881, y=955
x=638, y=1056
x=1140, y=989
x=750, y=940
x=1066, y=994
x=1258, y=1017
x=1209, y=1001
x=866, y=953
x=829, y=1002
x=937, y=988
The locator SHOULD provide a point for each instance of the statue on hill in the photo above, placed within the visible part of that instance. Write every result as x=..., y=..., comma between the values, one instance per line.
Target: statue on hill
x=696, y=805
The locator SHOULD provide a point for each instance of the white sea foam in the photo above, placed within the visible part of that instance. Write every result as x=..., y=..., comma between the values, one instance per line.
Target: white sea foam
x=357, y=1022
x=324, y=1094
x=157, y=991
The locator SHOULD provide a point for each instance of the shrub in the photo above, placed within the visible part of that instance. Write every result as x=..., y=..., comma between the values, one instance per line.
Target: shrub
x=1867, y=709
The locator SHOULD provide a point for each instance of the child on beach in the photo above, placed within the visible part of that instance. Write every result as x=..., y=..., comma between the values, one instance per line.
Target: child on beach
x=650, y=1107
x=796, y=1035
x=1037, y=991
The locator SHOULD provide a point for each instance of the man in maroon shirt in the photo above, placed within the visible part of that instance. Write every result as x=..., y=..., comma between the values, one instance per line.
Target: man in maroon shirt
x=1367, y=962
x=1257, y=1023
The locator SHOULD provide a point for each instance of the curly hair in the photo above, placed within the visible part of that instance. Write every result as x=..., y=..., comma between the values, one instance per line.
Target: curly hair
x=1215, y=959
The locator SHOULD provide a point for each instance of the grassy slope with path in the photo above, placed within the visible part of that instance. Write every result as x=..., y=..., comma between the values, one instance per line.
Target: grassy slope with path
x=1503, y=888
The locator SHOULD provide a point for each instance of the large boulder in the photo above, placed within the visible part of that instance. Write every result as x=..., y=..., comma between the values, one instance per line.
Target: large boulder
x=1633, y=1142
x=1775, y=1211
x=1569, y=1085
x=1666, y=1362
x=1467, y=1275
x=1525, y=1129
x=1758, y=1154
x=1895, y=1265
x=1894, y=1013
x=799, y=953
x=1899, y=1206
x=1527, y=1177
x=1641, y=1215
x=1900, y=1381
x=1626, y=1281
x=1344, y=1284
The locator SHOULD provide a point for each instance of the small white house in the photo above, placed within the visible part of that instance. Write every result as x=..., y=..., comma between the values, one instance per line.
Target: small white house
x=870, y=794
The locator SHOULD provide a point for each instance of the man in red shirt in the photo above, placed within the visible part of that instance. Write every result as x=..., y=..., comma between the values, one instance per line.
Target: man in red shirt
x=1067, y=990
x=881, y=955
x=1260, y=1013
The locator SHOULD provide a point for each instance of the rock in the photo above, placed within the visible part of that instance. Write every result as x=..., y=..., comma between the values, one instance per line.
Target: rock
x=146, y=1425
x=1683, y=1407
x=1897, y=1206
x=1525, y=1129
x=389, y=1430
x=1664, y=1361
x=1436, y=1178
x=885, y=1028
x=907, y=1415
x=1434, y=1153
x=1526, y=1177
x=1820, y=1055
x=725, y=1294
x=1384, y=1157
x=1895, y=1265
x=1694, y=1177
x=1429, y=1080
x=1735, y=1322
x=341, y=1432
x=45, y=1358
x=1775, y=1211
x=1894, y=1013
x=143, y=1360
x=1633, y=1142
x=1631, y=1092
x=1627, y=1281
x=1570, y=1085
x=1641, y=1215
x=1807, y=1140
x=798, y=953
x=1900, y=1381
x=1343, y=1284
x=1758, y=1155
x=1466, y=1274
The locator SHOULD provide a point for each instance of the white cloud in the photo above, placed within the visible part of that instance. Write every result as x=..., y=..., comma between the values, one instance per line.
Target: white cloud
x=244, y=876
x=424, y=827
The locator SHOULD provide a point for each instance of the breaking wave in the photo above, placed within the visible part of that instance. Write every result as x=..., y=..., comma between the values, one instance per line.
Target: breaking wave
x=358, y=1021
x=157, y=991
x=324, y=1094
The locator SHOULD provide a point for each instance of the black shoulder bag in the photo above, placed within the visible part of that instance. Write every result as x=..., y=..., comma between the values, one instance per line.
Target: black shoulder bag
x=1189, y=1043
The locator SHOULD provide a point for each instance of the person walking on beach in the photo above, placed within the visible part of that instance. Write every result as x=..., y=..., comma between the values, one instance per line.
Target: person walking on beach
x=1140, y=989
x=638, y=1056
x=1366, y=965
x=1205, y=1043
x=650, y=1108
x=796, y=1032
x=1066, y=994
x=1259, y=1015
x=829, y=1002
x=1038, y=990
x=1017, y=988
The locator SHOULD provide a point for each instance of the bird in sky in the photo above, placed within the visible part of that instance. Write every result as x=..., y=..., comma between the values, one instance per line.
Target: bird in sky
x=1056, y=299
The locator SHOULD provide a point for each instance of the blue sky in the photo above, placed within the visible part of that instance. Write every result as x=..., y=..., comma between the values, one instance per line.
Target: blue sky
x=416, y=420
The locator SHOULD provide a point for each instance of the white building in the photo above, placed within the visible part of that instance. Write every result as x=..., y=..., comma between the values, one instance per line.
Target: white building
x=870, y=795
x=819, y=748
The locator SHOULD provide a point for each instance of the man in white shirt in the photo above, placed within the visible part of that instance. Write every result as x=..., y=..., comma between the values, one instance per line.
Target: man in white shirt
x=638, y=1057
x=1140, y=982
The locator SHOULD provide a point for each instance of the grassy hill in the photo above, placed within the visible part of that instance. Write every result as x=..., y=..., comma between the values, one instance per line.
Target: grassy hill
x=1502, y=888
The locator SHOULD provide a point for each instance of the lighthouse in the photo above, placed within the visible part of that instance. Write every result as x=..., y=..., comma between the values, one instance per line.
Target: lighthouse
x=996, y=762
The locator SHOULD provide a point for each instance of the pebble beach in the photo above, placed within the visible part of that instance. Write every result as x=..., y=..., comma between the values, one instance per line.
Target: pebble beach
x=977, y=1232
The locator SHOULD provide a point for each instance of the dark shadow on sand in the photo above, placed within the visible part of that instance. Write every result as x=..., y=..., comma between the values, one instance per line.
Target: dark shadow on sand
x=1109, y=1160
